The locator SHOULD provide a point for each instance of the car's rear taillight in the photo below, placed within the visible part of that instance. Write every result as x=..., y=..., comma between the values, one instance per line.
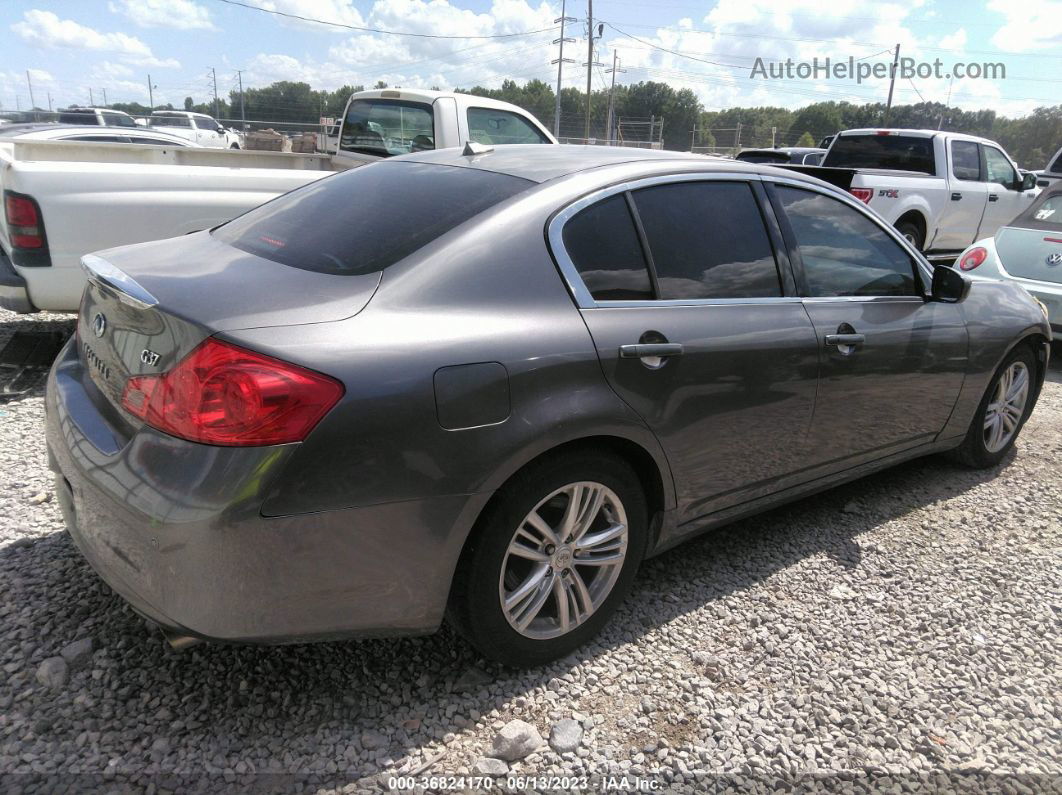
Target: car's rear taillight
x=226, y=395
x=863, y=194
x=972, y=258
x=24, y=225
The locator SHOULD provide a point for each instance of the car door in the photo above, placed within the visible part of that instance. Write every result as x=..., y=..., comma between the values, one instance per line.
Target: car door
x=697, y=327
x=967, y=194
x=1005, y=201
x=891, y=363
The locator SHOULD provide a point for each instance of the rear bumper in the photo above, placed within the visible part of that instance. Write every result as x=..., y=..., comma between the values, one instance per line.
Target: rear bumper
x=175, y=528
x=13, y=293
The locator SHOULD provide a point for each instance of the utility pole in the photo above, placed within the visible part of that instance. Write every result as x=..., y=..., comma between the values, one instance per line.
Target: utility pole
x=49, y=101
x=892, y=84
x=151, y=96
x=611, y=96
x=30, y=84
x=104, y=95
x=92, y=99
x=774, y=132
x=214, y=76
x=737, y=138
x=946, y=103
x=560, y=61
x=239, y=76
x=590, y=63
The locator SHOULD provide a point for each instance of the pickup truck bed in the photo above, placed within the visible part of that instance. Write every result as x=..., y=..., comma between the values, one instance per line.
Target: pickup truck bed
x=96, y=196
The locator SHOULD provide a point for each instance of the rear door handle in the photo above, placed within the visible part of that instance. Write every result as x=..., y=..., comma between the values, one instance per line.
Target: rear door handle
x=845, y=339
x=956, y=197
x=993, y=197
x=643, y=350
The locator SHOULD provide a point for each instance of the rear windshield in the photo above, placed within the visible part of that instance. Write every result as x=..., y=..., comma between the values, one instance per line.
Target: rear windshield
x=387, y=127
x=368, y=218
x=891, y=152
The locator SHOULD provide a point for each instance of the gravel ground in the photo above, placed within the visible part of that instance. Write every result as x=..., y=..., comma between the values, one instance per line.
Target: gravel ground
x=899, y=631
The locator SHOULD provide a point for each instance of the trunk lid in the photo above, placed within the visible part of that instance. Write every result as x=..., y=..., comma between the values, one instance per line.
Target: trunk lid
x=147, y=306
x=1030, y=253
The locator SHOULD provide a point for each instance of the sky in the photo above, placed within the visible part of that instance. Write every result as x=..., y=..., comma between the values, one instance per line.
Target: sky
x=77, y=50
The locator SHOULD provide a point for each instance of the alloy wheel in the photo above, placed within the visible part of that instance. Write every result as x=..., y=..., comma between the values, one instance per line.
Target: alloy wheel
x=1004, y=411
x=563, y=560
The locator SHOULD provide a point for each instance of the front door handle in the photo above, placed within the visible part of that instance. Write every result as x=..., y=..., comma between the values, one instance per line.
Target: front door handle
x=956, y=196
x=648, y=349
x=993, y=197
x=845, y=339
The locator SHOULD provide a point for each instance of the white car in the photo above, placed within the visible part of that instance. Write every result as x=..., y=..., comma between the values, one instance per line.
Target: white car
x=941, y=190
x=99, y=117
x=198, y=127
x=88, y=133
x=1027, y=251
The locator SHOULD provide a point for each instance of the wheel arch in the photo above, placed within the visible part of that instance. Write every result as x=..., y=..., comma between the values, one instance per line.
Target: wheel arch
x=916, y=217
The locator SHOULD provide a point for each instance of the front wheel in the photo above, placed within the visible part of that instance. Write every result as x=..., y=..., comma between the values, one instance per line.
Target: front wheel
x=550, y=560
x=1005, y=407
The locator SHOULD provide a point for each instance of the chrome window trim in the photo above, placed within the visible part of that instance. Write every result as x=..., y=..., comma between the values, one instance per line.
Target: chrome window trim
x=582, y=296
x=849, y=199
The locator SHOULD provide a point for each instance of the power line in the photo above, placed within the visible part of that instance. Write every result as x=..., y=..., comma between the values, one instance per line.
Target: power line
x=377, y=30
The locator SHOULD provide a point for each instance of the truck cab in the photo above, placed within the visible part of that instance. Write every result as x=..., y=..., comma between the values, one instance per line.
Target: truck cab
x=198, y=127
x=387, y=122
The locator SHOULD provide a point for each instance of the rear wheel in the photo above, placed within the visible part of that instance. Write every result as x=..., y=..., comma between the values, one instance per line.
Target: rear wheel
x=550, y=560
x=1004, y=409
x=912, y=232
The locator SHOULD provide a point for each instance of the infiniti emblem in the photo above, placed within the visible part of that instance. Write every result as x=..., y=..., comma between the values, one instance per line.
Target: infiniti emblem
x=1054, y=259
x=99, y=324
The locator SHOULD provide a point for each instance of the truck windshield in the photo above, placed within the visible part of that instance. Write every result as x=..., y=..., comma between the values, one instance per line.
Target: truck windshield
x=366, y=219
x=890, y=152
x=387, y=127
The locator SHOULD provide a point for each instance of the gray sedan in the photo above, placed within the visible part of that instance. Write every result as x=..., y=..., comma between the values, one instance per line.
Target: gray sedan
x=484, y=386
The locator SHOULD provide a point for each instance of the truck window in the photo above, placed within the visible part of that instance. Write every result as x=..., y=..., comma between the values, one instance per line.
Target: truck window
x=965, y=161
x=490, y=126
x=890, y=152
x=118, y=120
x=1056, y=167
x=999, y=168
x=366, y=219
x=169, y=121
x=387, y=127
x=79, y=117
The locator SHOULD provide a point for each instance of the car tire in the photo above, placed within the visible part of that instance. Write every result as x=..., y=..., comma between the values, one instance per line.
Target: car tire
x=489, y=572
x=234, y=146
x=980, y=449
x=912, y=232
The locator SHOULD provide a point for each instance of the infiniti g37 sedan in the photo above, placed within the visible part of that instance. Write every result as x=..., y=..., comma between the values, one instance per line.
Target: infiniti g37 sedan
x=485, y=386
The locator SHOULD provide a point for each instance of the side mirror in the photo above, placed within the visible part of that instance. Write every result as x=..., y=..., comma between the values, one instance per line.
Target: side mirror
x=1028, y=181
x=949, y=286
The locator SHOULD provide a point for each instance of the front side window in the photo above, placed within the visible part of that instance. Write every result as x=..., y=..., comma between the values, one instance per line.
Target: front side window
x=387, y=127
x=602, y=242
x=999, y=168
x=844, y=252
x=366, y=219
x=965, y=161
x=489, y=126
x=707, y=240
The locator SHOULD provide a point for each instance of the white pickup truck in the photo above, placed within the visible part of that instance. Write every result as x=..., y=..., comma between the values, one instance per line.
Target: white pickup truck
x=1052, y=172
x=198, y=127
x=941, y=190
x=63, y=200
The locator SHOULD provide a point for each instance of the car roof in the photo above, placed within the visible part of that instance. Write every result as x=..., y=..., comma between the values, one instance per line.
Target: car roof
x=912, y=133
x=542, y=162
x=18, y=130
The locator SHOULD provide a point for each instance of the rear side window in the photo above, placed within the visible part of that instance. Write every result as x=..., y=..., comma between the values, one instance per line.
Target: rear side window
x=603, y=244
x=77, y=117
x=844, y=252
x=965, y=161
x=489, y=126
x=366, y=219
x=708, y=240
x=170, y=121
x=891, y=152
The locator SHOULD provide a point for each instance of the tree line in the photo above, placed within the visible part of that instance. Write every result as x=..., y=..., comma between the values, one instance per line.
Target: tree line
x=673, y=116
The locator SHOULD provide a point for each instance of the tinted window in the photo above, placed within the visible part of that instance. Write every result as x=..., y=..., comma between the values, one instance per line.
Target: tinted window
x=118, y=120
x=82, y=117
x=388, y=127
x=707, y=240
x=169, y=121
x=603, y=244
x=999, y=168
x=1056, y=167
x=139, y=139
x=489, y=126
x=844, y=252
x=894, y=152
x=366, y=219
x=965, y=160
x=99, y=139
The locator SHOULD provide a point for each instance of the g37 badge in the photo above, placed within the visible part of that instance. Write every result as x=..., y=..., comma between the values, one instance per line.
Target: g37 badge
x=148, y=357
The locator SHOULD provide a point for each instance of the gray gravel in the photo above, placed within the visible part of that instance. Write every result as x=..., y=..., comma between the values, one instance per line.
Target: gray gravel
x=906, y=625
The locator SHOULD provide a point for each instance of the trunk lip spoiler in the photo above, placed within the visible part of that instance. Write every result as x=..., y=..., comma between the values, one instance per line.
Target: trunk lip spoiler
x=128, y=289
